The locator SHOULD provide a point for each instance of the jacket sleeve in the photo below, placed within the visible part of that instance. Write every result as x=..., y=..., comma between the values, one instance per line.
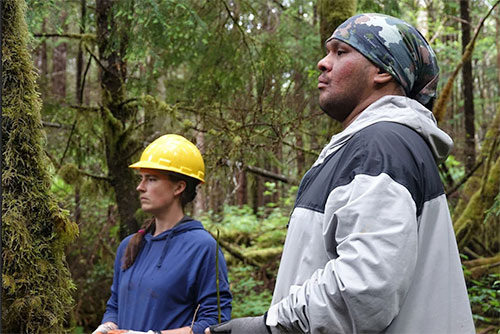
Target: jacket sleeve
x=371, y=223
x=206, y=290
x=111, y=313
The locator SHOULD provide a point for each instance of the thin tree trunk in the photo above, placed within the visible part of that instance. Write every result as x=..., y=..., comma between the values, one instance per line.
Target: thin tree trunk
x=79, y=57
x=300, y=104
x=200, y=200
x=241, y=193
x=497, y=20
x=79, y=101
x=41, y=61
x=59, y=64
x=470, y=150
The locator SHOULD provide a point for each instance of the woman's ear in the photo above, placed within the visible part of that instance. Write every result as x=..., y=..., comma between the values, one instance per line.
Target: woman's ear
x=179, y=187
x=382, y=77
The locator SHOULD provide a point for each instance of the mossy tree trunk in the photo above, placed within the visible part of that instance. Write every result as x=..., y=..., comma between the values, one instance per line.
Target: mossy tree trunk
x=117, y=113
x=480, y=191
x=331, y=14
x=36, y=283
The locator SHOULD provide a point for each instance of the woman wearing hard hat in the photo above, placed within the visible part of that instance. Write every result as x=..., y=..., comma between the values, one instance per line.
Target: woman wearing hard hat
x=165, y=274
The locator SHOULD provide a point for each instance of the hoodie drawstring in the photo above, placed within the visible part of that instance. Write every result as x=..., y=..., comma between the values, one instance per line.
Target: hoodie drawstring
x=164, y=251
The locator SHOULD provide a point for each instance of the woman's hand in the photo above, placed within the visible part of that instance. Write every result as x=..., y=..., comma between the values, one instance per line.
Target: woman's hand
x=105, y=328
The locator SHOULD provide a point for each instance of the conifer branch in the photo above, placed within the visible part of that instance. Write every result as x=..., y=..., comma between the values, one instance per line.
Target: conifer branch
x=67, y=35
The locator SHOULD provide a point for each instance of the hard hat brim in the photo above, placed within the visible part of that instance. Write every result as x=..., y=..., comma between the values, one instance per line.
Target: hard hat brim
x=154, y=165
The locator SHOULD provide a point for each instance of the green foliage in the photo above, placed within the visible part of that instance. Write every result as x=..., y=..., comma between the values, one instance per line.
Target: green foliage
x=36, y=285
x=251, y=287
x=456, y=168
x=251, y=231
x=484, y=295
x=390, y=7
x=494, y=210
x=250, y=297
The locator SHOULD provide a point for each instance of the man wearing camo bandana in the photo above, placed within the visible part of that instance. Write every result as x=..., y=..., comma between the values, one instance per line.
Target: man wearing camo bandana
x=370, y=244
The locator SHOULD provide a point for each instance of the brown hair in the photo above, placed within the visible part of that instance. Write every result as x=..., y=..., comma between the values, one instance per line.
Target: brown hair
x=135, y=244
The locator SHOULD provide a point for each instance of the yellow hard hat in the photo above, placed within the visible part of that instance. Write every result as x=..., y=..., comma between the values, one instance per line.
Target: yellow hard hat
x=173, y=153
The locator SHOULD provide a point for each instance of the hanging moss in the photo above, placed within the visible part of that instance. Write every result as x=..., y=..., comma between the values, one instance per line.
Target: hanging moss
x=70, y=174
x=36, y=284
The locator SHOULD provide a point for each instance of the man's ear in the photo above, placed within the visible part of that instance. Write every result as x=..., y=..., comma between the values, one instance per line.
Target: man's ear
x=382, y=77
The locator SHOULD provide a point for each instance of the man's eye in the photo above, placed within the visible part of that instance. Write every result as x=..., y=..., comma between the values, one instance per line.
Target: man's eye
x=340, y=52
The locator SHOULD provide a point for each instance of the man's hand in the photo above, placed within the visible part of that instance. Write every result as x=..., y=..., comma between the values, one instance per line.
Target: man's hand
x=250, y=325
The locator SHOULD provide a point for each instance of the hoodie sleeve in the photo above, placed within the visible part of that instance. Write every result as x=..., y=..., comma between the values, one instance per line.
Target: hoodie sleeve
x=370, y=223
x=206, y=290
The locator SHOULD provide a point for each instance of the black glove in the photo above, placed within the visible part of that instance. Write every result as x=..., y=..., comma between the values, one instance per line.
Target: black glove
x=249, y=325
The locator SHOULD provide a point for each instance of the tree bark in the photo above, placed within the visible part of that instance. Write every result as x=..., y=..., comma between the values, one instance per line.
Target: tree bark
x=116, y=114
x=470, y=150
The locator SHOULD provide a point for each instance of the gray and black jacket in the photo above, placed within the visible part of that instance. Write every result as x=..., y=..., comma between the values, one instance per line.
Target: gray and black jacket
x=370, y=246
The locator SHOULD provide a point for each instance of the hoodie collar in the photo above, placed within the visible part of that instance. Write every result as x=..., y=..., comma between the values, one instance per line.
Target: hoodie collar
x=185, y=224
x=398, y=109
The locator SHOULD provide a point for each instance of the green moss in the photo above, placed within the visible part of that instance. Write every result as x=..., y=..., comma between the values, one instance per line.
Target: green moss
x=475, y=212
x=332, y=13
x=70, y=174
x=36, y=287
x=474, y=183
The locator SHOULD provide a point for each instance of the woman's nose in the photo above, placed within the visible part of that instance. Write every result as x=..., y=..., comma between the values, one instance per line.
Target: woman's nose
x=140, y=186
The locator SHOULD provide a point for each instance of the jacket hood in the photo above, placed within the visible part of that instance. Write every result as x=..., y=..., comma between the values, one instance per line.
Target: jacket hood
x=398, y=109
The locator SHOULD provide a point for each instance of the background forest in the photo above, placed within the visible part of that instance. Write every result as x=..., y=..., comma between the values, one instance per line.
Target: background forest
x=239, y=79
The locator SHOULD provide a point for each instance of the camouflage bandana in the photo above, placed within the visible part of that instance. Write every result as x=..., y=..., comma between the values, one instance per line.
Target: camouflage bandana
x=396, y=47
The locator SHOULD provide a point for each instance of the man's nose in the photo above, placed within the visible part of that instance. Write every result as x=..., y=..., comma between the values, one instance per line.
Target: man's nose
x=324, y=65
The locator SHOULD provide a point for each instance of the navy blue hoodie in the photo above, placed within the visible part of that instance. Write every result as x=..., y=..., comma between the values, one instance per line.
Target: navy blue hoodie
x=173, y=273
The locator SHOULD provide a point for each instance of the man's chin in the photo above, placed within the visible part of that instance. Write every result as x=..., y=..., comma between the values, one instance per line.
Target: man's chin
x=333, y=115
